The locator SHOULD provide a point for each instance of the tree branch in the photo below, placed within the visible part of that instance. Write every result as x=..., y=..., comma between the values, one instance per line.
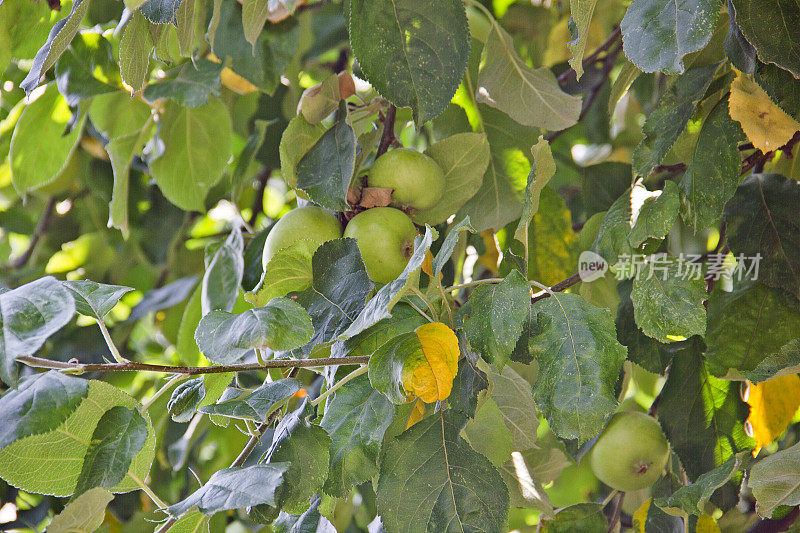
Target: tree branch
x=38, y=233
x=558, y=287
x=387, y=137
x=39, y=362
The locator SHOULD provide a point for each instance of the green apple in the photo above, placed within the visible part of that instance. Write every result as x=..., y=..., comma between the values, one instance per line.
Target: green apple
x=385, y=237
x=631, y=452
x=416, y=179
x=302, y=223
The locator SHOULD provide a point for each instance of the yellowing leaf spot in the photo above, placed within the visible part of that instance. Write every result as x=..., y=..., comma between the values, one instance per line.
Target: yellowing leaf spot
x=429, y=372
x=640, y=516
x=706, y=524
x=772, y=404
x=427, y=265
x=416, y=413
x=766, y=125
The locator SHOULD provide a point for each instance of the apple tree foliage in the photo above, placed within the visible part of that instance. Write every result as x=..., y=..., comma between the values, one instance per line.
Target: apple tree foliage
x=157, y=376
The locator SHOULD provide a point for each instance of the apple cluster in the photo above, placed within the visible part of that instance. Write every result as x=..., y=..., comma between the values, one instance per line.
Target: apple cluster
x=385, y=235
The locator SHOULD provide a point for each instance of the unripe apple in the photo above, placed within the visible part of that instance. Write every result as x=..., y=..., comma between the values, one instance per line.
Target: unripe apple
x=385, y=237
x=631, y=452
x=416, y=179
x=302, y=223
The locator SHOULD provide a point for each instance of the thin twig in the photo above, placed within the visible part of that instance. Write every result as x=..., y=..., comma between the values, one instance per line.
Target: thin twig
x=38, y=233
x=39, y=362
x=558, y=287
x=387, y=137
x=110, y=342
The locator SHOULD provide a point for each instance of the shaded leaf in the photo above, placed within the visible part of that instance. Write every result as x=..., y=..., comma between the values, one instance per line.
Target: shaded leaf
x=253, y=405
x=668, y=300
x=28, y=316
x=282, y=324
x=579, y=362
x=544, y=167
x=189, y=85
x=356, y=417
x=160, y=11
x=498, y=312
x=581, y=11
x=223, y=275
x=775, y=480
x=40, y=404
x=576, y=518
x=762, y=219
x=774, y=30
x=414, y=54
x=95, y=299
x=657, y=34
x=667, y=121
x=289, y=270
x=530, y=96
x=120, y=434
x=307, y=449
x=185, y=399
x=693, y=498
x=324, y=172
x=458, y=487
x=84, y=514
x=135, y=49
x=235, y=488
x=714, y=172
x=163, y=297
x=656, y=215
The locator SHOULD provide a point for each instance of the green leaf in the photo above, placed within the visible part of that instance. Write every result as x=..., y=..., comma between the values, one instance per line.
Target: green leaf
x=120, y=434
x=552, y=251
x=189, y=85
x=190, y=21
x=544, y=167
x=41, y=404
x=657, y=34
x=581, y=11
x=117, y=115
x=747, y=326
x=235, y=488
x=762, y=219
x=308, y=450
x=702, y=416
x=261, y=65
x=325, y=170
x=468, y=384
x=380, y=306
x=51, y=462
x=579, y=362
x=309, y=521
x=668, y=299
x=693, y=498
x=530, y=96
x=488, y=434
x=627, y=75
x=449, y=244
x=241, y=178
x=781, y=87
x=414, y=54
x=255, y=404
x=464, y=158
x=287, y=271
x=95, y=299
x=673, y=111
x=223, y=275
x=612, y=239
x=581, y=517
x=44, y=121
x=193, y=521
x=185, y=399
x=524, y=473
x=76, y=69
x=658, y=211
x=714, y=172
x=225, y=338
x=773, y=28
x=163, y=297
x=28, y=316
x=160, y=11
x=775, y=480
x=84, y=514
x=57, y=41
x=456, y=488
x=404, y=319
x=512, y=395
x=298, y=137
x=645, y=351
x=356, y=417
x=786, y=361
x=740, y=52
x=197, y=145
x=499, y=200
x=135, y=49
x=498, y=313
x=254, y=15
x=339, y=291
x=121, y=151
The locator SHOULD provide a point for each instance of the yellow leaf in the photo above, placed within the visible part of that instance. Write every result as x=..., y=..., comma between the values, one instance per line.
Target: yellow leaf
x=492, y=255
x=416, y=413
x=706, y=524
x=429, y=372
x=766, y=125
x=772, y=404
x=427, y=265
x=640, y=516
